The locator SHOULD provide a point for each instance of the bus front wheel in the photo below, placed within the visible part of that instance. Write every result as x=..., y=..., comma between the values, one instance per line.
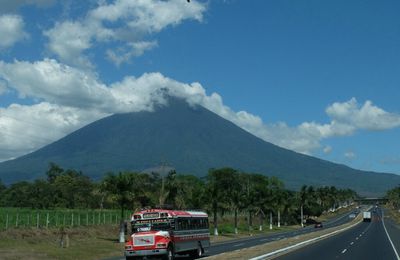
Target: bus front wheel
x=170, y=254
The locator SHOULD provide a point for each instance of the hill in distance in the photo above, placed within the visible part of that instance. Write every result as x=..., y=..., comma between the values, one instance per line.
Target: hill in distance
x=192, y=140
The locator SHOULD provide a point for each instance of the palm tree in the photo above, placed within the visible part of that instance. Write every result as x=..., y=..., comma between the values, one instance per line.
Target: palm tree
x=237, y=198
x=121, y=189
x=219, y=191
x=306, y=197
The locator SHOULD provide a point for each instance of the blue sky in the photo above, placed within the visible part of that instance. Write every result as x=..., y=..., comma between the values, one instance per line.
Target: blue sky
x=318, y=77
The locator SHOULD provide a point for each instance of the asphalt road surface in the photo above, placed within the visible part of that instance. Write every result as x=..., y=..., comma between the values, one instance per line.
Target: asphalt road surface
x=365, y=241
x=219, y=248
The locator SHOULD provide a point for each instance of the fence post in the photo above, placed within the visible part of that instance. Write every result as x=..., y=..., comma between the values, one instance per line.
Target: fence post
x=93, y=217
x=47, y=220
x=29, y=220
x=37, y=220
x=98, y=219
x=64, y=219
x=87, y=218
x=79, y=218
x=7, y=221
x=16, y=220
x=72, y=219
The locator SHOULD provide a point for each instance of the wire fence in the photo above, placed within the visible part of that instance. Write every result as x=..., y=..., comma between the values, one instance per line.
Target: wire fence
x=27, y=218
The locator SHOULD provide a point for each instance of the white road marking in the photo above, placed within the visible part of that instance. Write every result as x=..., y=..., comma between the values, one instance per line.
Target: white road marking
x=303, y=243
x=356, y=238
x=265, y=239
x=241, y=244
x=351, y=243
x=344, y=251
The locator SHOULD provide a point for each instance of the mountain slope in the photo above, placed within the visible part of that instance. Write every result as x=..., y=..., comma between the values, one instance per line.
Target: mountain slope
x=192, y=140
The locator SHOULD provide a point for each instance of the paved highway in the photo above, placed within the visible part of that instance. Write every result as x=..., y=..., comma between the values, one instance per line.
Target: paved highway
x=365, y=241
x=218, y=248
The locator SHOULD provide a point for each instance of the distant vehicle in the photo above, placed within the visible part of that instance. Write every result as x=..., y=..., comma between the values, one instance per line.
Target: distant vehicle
x=367, y=216
x=318, y=225
x=352, y=215
x=162, y=232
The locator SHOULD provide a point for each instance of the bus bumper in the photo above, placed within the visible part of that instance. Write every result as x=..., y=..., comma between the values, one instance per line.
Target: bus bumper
x=149, y=252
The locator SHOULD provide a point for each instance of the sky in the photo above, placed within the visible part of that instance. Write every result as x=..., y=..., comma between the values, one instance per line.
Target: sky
x=318, y=77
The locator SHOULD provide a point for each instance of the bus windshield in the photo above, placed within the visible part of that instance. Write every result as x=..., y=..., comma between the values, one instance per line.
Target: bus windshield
x=148, y=225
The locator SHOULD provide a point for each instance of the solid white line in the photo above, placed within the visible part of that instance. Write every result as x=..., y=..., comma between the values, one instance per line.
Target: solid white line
x=394, y=249
x=265, y=239
x=241, y=244
x=302, y=243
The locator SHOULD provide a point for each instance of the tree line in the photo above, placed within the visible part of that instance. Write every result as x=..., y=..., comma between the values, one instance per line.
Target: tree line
x=393, y=197
x=223, y=190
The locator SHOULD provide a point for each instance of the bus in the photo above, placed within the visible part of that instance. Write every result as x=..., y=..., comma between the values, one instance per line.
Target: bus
x=166, y=233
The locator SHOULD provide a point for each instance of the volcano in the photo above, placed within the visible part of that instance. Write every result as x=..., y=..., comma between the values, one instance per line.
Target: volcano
x=190, y=139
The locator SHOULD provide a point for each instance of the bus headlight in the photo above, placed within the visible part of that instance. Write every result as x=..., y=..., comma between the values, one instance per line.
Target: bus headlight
x=161, y=245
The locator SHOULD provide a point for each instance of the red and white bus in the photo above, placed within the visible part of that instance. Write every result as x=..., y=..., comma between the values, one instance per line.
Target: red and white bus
x=165, y=233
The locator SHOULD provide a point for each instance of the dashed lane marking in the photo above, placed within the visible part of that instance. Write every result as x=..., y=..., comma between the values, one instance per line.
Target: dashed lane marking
x=344, y=251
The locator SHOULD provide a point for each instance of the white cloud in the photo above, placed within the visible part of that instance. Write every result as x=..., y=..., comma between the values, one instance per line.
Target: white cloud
x=125, y=54
x=68, y=40
x=148, y=16
x=11, y=30
x=327, y=149
x=124, y=23
x=24, y=129
x=73, y=90
x=367, y=116
x=349, y=155
x=54, y=82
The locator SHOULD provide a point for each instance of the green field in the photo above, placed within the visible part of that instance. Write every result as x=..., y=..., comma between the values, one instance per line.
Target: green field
x=19, y=218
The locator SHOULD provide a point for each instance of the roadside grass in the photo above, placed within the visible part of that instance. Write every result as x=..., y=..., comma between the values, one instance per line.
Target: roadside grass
x=84, y=243
x=329, y=215
x=393, y=214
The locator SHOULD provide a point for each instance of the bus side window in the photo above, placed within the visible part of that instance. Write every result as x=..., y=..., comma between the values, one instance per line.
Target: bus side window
x=179, y=224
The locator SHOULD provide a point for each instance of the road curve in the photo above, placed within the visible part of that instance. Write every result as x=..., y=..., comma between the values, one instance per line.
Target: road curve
x=228, y=246
x=367, y=240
